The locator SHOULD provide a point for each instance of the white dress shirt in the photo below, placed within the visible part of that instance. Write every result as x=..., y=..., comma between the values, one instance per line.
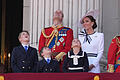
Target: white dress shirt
x=95, y=47
x=25, y=45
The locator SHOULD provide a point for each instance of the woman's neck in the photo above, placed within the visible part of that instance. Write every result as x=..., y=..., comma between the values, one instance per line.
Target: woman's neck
x=90, y=31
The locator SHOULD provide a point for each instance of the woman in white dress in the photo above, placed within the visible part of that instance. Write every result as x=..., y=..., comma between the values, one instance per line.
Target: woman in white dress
x=92, y=42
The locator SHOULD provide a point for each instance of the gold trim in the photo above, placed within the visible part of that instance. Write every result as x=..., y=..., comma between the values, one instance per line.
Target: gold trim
x=60, y=56
x=118, y=62
x=117, y=53
x=43, y=32
x=110, y=68
x=118, y=41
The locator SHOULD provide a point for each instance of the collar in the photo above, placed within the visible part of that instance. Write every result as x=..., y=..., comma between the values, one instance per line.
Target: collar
x=25, y=45
x=57, y=26
x=47, y=58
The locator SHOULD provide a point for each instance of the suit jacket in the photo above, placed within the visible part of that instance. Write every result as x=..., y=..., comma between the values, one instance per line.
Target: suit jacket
x=43, y=66
x=22, y=61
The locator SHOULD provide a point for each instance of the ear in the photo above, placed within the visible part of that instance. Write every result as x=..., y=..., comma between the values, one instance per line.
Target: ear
x=42, y=54
x=92, y=23
x=20, y=39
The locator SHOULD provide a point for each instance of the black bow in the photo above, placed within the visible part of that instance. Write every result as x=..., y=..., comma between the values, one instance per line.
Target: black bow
x=87, y=37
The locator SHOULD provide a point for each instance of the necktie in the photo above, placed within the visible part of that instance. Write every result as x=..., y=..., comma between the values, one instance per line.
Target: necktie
x=48, y=61
x=26, y=48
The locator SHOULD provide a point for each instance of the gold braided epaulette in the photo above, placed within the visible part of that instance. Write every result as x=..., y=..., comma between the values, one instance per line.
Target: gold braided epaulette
x=43, y=32
x=117, y=36
x=117, y=41
x=118, y=44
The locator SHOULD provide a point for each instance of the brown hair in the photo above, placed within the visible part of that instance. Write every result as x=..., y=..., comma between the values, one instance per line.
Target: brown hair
x=92, y=20
x=22, y=32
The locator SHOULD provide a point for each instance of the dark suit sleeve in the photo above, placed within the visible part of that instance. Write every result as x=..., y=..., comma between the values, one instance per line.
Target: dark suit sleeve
x=57, y=66
x=86, y=63
x=65, y=64
x=37, y=68
x=35, y=60
x=14, y=61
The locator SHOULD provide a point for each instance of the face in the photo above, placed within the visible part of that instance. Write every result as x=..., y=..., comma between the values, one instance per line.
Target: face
x=87, y=24
x=24, y=37
x=76, y=43
x=46, y=51
x=57, y=18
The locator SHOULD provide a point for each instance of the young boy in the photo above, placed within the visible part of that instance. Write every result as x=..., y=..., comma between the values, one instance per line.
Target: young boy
x=24, y=58
x=47, y=64
x=76, y=60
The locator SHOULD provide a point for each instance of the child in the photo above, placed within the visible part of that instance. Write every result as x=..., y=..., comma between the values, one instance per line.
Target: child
x=47, y=64
x=76, y=60
x=24, y=58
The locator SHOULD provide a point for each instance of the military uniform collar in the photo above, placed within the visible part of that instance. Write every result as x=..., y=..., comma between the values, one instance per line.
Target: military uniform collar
x=57, y=26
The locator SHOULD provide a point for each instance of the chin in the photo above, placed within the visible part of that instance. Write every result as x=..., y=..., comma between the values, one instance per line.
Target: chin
x=75, y=46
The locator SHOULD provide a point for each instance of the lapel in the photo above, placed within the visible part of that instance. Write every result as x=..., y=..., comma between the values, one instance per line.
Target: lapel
x=22, y=49
x=44, y=61
x=29, y=49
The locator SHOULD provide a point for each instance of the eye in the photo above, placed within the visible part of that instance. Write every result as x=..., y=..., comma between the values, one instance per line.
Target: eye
x=86, y=20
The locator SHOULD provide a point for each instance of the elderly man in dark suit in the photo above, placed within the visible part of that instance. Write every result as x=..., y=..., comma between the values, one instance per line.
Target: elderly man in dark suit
x=24, y=58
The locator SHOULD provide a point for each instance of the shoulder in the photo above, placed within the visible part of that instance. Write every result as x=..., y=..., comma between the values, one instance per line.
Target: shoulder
x=82, y=53
x=17, y=47
x=117, y=36
x=41, y=62
x=55, y=61
x=116, y=39
x=47, y=28
x=33, y=48
x=99, y=33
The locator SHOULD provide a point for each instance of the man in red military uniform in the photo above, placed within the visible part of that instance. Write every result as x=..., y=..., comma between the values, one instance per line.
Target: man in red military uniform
x=114, y=55
x=57, y=37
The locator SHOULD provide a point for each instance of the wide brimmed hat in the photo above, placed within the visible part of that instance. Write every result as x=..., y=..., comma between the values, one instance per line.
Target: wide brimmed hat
x=93, y=13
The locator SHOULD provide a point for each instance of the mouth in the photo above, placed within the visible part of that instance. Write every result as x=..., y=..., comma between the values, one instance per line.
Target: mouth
x=26, y=36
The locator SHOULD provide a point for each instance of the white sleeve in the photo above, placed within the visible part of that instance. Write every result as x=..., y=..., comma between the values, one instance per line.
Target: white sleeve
x=100, y=49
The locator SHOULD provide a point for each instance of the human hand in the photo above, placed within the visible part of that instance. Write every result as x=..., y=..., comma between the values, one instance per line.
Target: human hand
x=91, y=66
